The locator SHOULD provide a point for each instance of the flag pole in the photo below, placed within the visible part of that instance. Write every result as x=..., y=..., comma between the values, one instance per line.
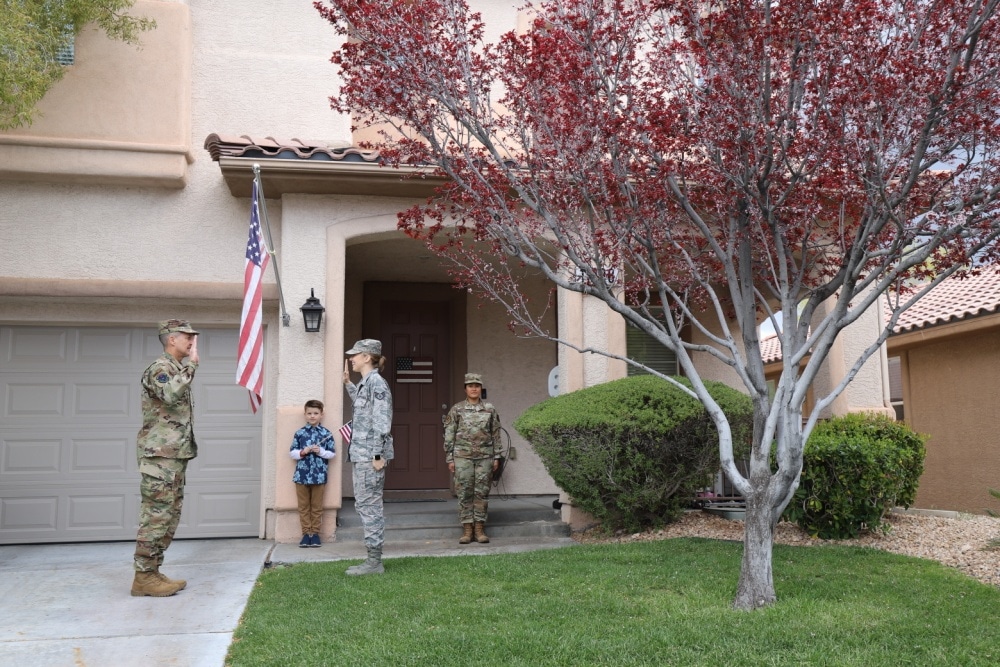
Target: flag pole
x=269, y=244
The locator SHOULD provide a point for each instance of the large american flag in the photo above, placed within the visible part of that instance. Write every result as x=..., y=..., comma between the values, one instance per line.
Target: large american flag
x=250, y=367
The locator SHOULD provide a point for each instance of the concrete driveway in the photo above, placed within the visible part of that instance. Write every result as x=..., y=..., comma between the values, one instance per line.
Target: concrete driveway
x=70, y=605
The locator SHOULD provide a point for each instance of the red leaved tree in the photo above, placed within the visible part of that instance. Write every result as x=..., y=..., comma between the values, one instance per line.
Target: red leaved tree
x=698, y=164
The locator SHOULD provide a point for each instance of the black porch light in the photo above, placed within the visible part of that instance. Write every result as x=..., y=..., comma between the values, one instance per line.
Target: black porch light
x=312, y=312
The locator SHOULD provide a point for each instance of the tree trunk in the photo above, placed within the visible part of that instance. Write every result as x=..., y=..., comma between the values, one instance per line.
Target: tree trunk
x=756, y=586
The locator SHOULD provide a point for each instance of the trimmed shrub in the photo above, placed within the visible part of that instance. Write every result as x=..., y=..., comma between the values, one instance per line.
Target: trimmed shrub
x=633, y=452
x=856, y=468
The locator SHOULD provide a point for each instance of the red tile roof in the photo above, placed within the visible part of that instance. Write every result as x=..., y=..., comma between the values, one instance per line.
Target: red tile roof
x=770, y=349
x=232, y=145
x=953, y=300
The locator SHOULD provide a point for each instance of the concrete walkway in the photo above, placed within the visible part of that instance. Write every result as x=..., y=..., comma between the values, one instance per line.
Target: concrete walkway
x=69, y=605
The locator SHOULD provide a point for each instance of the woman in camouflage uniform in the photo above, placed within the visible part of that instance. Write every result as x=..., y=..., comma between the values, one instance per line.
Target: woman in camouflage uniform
x=472, y=450
x=371, y=446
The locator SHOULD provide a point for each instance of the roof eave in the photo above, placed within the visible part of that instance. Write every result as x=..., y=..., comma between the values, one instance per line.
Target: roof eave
x=898, y=342
x=283, y=176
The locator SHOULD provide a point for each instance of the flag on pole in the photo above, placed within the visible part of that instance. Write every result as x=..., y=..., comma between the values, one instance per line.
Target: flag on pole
x=250, y=364
x=345, y=432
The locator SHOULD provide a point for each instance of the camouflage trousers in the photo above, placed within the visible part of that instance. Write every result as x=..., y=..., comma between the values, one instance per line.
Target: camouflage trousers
x=368, y=486
x=162, y=495
x=472, y=484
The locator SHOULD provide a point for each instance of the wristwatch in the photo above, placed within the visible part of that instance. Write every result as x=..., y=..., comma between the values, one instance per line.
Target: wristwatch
x=378, y=457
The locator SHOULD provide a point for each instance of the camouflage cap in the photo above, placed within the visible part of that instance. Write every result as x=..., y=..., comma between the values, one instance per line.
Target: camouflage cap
x=474, y=378
x=367, y=346
x=176, y=326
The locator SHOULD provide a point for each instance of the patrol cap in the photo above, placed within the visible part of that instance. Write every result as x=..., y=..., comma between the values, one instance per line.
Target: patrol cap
x=367, y=346
x=176, y=326
x=474, y=378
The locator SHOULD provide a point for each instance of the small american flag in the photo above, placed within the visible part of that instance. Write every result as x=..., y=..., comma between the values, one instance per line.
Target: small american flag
x=345, y=432
x=415, y=370
x=250, y=353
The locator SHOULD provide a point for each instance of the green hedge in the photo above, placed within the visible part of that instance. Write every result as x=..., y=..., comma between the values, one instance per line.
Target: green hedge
x=856, y=468
x=633, y=452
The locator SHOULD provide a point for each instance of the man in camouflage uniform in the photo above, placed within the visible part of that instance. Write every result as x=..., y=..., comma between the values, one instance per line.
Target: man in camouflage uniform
x=164, y=447
x=472, y=449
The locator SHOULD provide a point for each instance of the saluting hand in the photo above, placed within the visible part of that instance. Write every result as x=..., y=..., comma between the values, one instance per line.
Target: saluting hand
x=347, y=373
x=194, y=349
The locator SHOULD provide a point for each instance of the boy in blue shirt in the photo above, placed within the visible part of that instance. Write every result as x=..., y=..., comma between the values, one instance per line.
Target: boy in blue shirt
x=312, y=447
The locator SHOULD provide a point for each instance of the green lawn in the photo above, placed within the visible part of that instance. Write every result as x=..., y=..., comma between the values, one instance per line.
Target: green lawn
x=652, y=603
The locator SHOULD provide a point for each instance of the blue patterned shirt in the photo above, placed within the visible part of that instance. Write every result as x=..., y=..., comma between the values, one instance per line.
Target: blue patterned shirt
x=311, y=469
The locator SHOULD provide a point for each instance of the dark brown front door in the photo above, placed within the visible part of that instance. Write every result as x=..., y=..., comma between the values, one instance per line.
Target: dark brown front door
x=416, y=345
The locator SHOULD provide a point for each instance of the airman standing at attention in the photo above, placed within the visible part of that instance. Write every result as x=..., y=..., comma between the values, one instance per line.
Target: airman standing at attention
x=164, y=446
x=472, y=450
x=371, y=446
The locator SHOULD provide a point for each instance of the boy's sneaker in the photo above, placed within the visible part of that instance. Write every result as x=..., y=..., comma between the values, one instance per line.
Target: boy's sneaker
x=305, y=541
x=314, y=542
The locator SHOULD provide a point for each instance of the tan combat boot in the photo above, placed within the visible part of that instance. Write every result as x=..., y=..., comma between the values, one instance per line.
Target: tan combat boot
x=481, y=536
x=180, y=583
x=162, y=577
x=466, y=534
x=149, y=583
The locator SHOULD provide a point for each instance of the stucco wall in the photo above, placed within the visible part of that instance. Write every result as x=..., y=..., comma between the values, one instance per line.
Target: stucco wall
x=120, y=113
x=952, y=395
x=516, y=374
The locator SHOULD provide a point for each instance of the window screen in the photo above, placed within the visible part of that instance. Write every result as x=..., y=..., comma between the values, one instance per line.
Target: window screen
x=66, y=55
x=647, y=350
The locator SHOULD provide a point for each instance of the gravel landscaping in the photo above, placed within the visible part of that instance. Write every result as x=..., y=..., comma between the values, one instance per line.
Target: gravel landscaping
x=961, y=542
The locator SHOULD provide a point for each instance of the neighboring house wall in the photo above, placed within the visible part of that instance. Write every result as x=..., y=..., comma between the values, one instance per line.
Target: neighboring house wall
x=950, y=394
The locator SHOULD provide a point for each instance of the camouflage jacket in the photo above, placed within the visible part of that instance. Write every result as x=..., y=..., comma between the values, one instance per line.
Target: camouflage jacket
x=372, y=420
x=167, y=430
x=472, y=431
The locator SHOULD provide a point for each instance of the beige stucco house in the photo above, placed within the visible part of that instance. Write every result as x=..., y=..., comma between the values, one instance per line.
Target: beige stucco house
x=127, y=203
x=944, y=357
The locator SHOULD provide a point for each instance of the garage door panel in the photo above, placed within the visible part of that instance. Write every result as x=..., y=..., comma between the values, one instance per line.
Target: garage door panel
x=100, y=513
x=220, y=457
x=105, y=346
x=103, y=400
x=105, y=457
x=220, y=398
x=29, y=458
x=28, y=514
x=221, y=348
x=77, y=479
x=27, y=400
x=223, y=510
x=24, y=347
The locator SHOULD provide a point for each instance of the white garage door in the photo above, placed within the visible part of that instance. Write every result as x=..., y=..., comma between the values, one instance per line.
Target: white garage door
x=69, y=414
